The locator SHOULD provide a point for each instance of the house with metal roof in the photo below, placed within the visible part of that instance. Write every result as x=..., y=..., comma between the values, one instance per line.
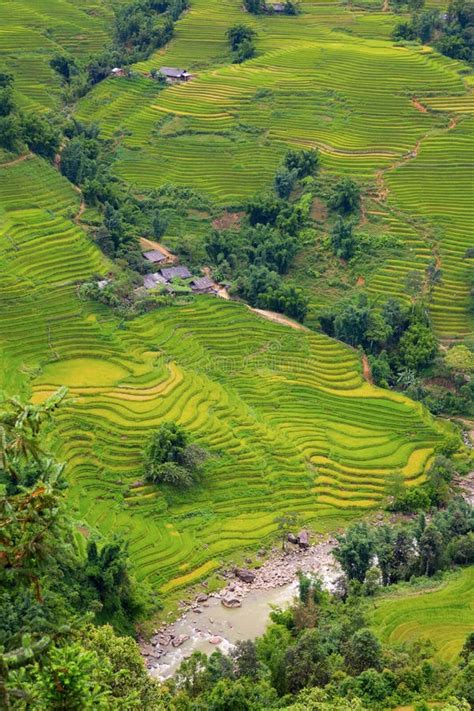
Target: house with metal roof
x=154, y=256
x=202, y=285
x=174, y=73
x=175, y=273
x=151, y=281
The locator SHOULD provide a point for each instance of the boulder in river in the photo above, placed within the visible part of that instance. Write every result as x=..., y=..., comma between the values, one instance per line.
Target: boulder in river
x=231, y=601
x=247, y=576
x=179, y=640
x=202, y=597
x=215, y=640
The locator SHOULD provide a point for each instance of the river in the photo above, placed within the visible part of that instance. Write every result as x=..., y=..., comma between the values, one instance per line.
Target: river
x=208, y=625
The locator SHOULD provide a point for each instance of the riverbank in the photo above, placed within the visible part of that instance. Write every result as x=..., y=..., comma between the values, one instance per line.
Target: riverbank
x=206, y=623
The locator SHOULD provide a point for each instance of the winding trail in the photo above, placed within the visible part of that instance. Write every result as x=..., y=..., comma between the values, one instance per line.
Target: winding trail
x=80, y=212
x=20, y=159
x=279, y=318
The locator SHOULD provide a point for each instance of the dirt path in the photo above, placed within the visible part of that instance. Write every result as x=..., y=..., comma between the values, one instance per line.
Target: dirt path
x=16, y=161
x=80, y=212
x=366, y=371
x=151, y=244
x=382, y=189
x=418, y=106
x=279, y=318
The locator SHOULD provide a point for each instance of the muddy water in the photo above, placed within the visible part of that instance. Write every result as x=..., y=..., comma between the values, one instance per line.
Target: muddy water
x=208, y=625
x=222, y=625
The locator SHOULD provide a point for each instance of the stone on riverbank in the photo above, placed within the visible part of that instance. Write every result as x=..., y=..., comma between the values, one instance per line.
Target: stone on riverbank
x=231, y=601
x=247, y=576
x=178, y=641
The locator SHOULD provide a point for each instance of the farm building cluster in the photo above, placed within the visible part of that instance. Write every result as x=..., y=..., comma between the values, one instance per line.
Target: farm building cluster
x=166, y=278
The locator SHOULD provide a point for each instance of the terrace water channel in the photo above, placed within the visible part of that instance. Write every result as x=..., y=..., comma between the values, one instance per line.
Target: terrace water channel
x=208, y=625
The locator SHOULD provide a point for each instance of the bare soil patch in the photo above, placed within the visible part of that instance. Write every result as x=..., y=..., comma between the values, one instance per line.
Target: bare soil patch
x=228, y=220
x=318, y=210
x=419, y=106
x=366, y=371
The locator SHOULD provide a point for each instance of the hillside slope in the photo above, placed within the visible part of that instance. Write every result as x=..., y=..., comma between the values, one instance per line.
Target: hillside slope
x=329, y=78
x=286, y=415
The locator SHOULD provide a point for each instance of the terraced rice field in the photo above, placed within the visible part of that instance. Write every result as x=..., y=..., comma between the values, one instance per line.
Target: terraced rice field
x=430, y=188
x=33, y=31
x=443, y=615
x=286, y=415
x=394, y=117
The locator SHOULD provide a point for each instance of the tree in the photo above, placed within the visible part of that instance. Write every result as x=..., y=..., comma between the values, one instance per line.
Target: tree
x=285, y=182
x=159, y=224
x=363, y=651
x=241, y=40
x=246, y=50
x=106, y=570
x=396, y=315
x=304, y=162
x=467, y=651
x=67, y=678
x=7, y=101
x=11, y=132
x=307, y=662
x=20, y=425
x=346, y=196
x=41, y=135
x=355, y=551
x=256, y=7
x=245, y=660
x=237, y=34
x=431, y=550
x=64, y=65
x=418, y=347
x=286, y=525
x=121, y=669
x=343, y=240
x=170, y=459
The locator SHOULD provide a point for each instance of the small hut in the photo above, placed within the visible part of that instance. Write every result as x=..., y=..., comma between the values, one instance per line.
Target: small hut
x=174, y=73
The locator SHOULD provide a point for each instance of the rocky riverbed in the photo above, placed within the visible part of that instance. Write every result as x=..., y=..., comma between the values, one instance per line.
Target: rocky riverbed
x=240, y=610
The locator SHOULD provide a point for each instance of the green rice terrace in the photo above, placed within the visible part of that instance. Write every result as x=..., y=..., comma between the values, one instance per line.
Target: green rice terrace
x=441, y=614
x=288, y=418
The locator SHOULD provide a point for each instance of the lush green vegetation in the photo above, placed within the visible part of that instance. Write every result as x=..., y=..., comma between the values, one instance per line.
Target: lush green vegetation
x=55, y=586
x=320, y=169
x=325, y=451
x=451, y=33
